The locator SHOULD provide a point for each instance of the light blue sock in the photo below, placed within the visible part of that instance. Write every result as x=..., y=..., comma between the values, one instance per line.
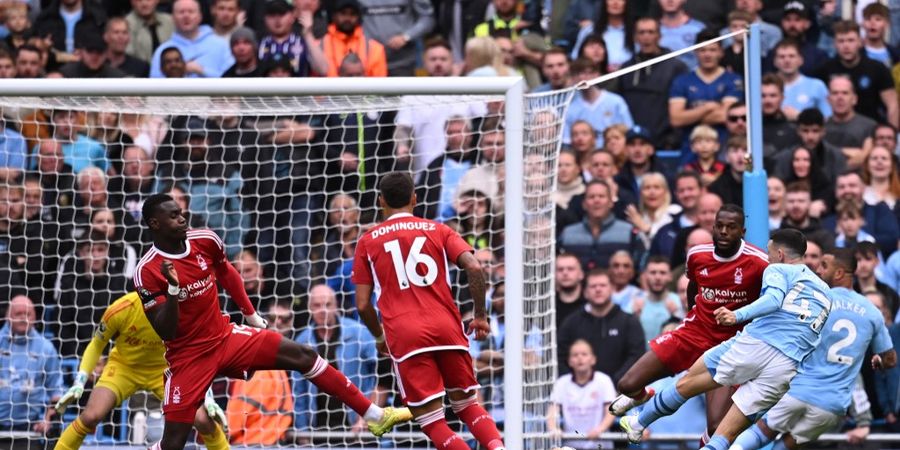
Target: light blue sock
x=717, y=442
x=752, y=439
x=664, y=403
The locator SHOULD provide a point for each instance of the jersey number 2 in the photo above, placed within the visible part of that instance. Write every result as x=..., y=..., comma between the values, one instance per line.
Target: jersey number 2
x=407, y=271
x=833, y=355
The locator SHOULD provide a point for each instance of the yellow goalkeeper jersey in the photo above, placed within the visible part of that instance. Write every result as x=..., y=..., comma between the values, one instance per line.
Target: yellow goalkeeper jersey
x=137, y=346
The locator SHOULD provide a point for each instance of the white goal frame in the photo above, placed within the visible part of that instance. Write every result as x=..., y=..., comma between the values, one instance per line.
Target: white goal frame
x=513, y=90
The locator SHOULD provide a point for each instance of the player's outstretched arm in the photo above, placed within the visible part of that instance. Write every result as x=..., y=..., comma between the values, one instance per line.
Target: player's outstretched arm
x=369, y=316
x=164, y=319
x=475, y=274
x=88, y=363
x=231, y=280
x=767, y=304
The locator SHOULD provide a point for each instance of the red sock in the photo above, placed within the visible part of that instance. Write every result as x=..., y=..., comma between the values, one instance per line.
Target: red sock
x=641, y=395
x=434, y=425
x=479, y=422
x=334, y=383
x=704, y=439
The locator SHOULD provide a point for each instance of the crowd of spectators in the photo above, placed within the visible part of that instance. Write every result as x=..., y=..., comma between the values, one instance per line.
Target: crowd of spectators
x=647, y=159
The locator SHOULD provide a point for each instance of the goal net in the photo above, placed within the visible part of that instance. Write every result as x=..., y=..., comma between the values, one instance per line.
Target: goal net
x=288, y=183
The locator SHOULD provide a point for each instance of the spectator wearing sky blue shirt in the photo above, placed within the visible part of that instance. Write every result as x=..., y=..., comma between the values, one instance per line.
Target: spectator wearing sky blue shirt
x=800, y=91
x=205, y=54
x=13, y=152
x=594, y=104
x=79, y=151
x=876, y=21
x=30, y=374
x=703, y=95
x=679, y=30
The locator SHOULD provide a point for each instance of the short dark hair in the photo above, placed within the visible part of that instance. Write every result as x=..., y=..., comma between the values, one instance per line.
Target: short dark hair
x=788, y=43
x=792, y=240
x=554, y=51
x=152, y=204
x=708, y=35
x=27, y=48
x=772, y=79
x=797, y=186
x=846, y=258
x=883, y=125
x=845, y=26
x=876, y=9
x=811, y=116
x=582, y=65
x=733, y=209
x=397, y=188
x=689, y=174
x=658, y=259
x=437, y=41
x=597, y=272
x=598, y=182
x=867, y=249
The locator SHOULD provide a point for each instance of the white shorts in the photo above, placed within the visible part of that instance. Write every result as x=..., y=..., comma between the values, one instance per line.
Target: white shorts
x=804, y=421
x=762, y=372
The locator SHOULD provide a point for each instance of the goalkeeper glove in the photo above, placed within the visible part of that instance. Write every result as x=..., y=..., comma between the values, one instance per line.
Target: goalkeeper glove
x=73, y=394
x=215, y=411
x=256, y=321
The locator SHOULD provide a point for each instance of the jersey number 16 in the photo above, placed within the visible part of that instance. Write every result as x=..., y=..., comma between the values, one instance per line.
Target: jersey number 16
x=407, y=271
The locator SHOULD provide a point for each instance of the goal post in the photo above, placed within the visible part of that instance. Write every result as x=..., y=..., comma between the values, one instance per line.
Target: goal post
x=532, y=125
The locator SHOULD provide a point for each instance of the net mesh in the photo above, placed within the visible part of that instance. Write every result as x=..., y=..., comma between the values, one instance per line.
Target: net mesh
x=288, y=184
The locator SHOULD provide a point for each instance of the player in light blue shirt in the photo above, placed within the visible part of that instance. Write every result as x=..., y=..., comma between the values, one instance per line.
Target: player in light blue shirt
x=787, y=319
x=821, y=392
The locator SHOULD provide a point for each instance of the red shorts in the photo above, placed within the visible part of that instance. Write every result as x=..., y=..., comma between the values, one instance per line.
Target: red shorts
x=680, y=348
x=186, y=380
x=426, y=376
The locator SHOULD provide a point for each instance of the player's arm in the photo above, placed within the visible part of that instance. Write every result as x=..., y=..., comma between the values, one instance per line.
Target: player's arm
x=475, y=274
x=89, y=359
x=769, y=302
x=231, y=280
x=368, y=314
x=883, y=347
x=691, y=294
x=164, y=319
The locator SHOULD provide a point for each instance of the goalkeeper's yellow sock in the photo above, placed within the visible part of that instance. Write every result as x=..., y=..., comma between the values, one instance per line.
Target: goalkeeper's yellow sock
x=73, y=436
x=216, y=440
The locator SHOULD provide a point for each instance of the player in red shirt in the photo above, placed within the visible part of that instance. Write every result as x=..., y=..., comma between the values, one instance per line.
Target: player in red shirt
x=728, y=272
x=405, y=260
x=176, y=280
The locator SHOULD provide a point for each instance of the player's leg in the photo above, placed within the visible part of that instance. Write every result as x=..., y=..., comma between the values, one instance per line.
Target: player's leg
x=213, y=436
x=421, y=384
x=633, y=385
x=431, y=418
x=756, y=437
x=718, y=402
x=733, y=424
x=458, y=372
x=175, y=435
x=294, y=356
x=696, y=381
x=100, y=403
x=763, y=374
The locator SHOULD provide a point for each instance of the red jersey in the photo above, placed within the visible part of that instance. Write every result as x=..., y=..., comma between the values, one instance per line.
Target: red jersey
x=406, y=259
x=201, y=324
x=731, y=282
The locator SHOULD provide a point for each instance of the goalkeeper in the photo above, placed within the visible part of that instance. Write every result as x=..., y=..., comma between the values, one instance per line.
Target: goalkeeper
x=135, y=363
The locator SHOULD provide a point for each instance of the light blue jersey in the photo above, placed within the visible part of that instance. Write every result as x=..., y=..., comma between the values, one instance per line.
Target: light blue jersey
x=806, y=92
x=826, y=378
x=791, y=311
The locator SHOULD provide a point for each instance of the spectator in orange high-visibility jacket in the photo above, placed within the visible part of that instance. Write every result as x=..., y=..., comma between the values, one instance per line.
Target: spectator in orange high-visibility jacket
x=260, y=410
x=345, y=35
